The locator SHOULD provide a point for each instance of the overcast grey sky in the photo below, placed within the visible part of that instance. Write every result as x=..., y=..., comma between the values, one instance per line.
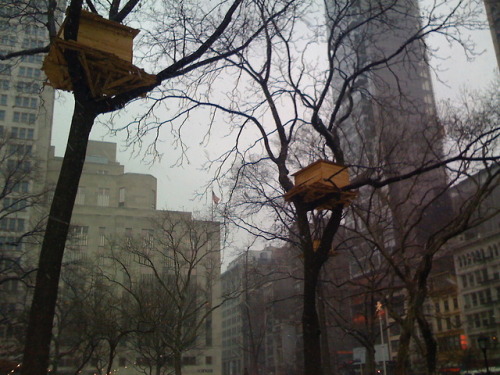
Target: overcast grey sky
x=177, y=185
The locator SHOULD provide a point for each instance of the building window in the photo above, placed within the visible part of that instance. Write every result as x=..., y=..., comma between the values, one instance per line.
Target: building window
x=102, y=236
x=446, y=305
x=121, y=197
x=14, y=204
x=22, y=133
x=21, y=187
x=3, y=99
x=148, y=238
x=4, y=84
x=9, y=243
x=23, y=117
x=79, y=235
x=12, y=224
x=20, y=149
x=208, y=360
x=5, y=69
x=26, y=102
x=103, y=197
x=436, y=306
x=80, y=196
x=2, y=115
x=28, y=87
x=29, y=72
x=448, y=323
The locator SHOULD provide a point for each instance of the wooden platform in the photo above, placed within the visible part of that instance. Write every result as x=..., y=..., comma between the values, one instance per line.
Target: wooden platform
x=320, y=196
x=107, y=74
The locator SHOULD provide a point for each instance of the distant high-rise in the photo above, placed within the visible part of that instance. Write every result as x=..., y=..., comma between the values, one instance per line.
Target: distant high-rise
x=493, y=13
x=393, y=128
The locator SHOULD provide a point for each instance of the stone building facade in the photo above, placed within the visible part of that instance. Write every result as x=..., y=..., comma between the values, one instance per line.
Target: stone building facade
x=115, y=221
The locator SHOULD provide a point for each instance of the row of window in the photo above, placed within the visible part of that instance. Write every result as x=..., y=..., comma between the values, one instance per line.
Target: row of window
x=14, y=204
x=20, y=101
x=10, y=243
x=12, y=224
x=24, y=71
x=449, y=323
x=446, y=305
x=103, y=195
x=20, y=117
x=32, y=30
x=11, y=40
x=20, y=150
x=18, y=133
x=38, y=58
x=79, y=237
x=24, y=166
x=479, y=277
x=481, y=297
x=478, y=256
x=21, y=86
x=481, y=319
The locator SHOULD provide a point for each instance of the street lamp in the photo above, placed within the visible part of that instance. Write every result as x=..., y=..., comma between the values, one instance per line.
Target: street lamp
x=483, y=343
x=380, y=312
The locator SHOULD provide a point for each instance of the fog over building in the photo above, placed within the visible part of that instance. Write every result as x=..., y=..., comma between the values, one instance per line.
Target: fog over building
x=115, y=220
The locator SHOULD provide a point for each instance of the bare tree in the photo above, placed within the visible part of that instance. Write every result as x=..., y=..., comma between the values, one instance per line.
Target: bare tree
x=169, y=280
x=21, y=224
x=189, y=50
x=288, y=98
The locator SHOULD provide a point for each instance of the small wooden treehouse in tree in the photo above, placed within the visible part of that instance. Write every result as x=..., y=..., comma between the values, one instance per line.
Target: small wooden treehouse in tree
x=320, y=184
x=105, y=52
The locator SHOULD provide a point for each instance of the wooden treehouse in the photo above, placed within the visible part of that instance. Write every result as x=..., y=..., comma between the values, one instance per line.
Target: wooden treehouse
x=320, y=184
x=105, y=52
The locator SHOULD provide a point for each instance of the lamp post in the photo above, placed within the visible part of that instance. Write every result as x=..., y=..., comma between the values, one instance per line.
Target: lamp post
x=483, y=343
x=380, y=312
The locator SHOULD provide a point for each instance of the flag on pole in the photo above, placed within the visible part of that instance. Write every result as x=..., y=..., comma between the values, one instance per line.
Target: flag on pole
x=215, y=198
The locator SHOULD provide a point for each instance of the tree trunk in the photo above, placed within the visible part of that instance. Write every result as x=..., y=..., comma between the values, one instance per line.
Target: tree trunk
x=430, y=343
x=310, y=322
x=177, y=363
x=404, y=347
x=111, y=356
x=39, y=332
x=325, y=347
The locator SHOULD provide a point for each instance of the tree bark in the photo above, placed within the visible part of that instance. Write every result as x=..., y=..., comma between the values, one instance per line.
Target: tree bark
x=39, y=333
x=177, y=363
x=430, y=343
x=310, y=323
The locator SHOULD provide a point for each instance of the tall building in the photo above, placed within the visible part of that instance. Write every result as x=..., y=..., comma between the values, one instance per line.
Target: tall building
x=392, y=130
x=393, y=127
x=26, y=108
x=260, y=326
x=477, y=263
x=116, y=228
x=493, y=14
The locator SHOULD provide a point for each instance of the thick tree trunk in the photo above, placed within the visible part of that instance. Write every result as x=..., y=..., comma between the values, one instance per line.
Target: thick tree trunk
x=325, y=347
x=310, y=323
x=39, y=332
x=177, y=363
x=430, y=343
x=404, y=344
